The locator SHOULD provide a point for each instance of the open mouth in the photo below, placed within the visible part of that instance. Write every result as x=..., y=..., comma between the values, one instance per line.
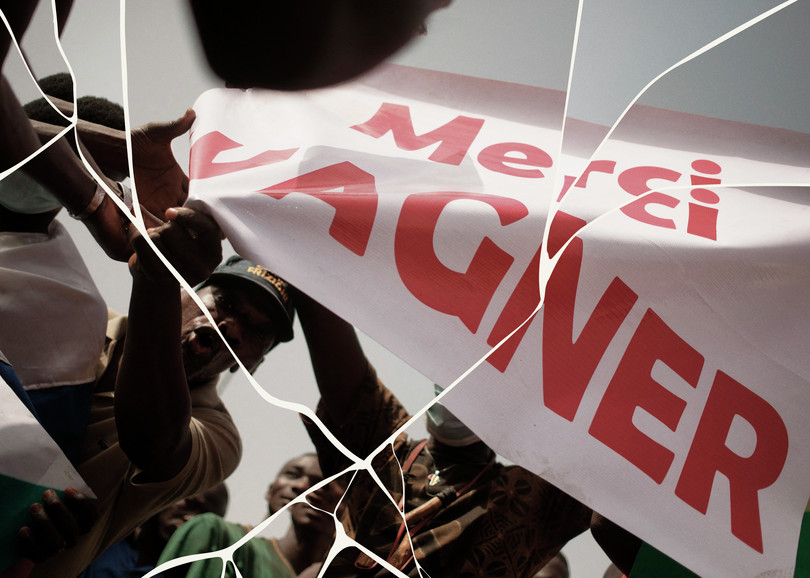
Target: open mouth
x=205, y=341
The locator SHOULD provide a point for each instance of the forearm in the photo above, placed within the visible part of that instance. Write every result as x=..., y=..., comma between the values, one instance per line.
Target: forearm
x=56, y=168
x=107, y=145
x=337, y=357
x=152, y=401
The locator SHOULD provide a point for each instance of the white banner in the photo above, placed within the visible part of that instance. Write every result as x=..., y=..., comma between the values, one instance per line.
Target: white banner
x=671, y=344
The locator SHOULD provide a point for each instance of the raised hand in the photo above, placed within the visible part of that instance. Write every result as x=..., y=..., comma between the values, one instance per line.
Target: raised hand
x=56, y=524
x=159, y=180
x=190, y=240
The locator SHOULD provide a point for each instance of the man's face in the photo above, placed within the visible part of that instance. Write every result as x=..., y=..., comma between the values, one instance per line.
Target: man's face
x=297, y=476
x=240, y=310
x=170, y=519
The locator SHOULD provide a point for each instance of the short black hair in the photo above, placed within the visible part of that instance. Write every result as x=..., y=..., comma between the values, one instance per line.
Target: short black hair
x=90, y=108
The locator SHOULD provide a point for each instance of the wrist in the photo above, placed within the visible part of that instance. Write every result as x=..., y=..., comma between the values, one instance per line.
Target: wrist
x=160, y=288
x=92, y=205
x=124, y=193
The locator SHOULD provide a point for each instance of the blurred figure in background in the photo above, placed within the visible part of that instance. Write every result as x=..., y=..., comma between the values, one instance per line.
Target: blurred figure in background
x=298, y=553
x=138, y=553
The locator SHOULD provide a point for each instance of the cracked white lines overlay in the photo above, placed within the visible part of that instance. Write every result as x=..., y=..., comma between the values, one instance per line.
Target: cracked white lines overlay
x=547, y=263
x=546, y=268
x=72, y=119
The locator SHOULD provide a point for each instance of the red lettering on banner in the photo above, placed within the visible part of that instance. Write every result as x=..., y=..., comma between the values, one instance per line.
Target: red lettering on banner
x=746, y=475
x=465, y=295
x=568, y=367
x=206, y=149
x=497, y=158
x=638, y=209
x=355, y=206
x=632, y=386
x=521, y=304
x=636, y=182
x=606, y=167
x=702, y=219
x=526, y=296
x=568, y=180
x=568, y=362
x=455, y=137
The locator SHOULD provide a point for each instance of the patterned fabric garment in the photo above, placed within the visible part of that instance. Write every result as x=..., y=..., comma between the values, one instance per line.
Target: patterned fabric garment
x=508, y=523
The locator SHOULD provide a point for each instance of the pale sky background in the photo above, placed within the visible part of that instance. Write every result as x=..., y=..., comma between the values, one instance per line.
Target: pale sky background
x=761, y=76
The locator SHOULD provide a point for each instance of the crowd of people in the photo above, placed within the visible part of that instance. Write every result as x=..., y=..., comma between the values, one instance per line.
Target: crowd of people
x=132, y=401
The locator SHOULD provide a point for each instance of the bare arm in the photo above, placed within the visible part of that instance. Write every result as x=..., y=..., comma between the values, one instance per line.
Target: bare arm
x=152, y=400
x=57, y=168
x=337, y=358
x=107, y=145
x=160, y=181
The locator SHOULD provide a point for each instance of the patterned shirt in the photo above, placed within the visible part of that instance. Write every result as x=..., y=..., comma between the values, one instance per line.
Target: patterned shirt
x=510, y=522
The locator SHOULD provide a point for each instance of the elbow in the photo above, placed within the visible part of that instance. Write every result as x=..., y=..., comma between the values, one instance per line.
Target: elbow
x=159, y=453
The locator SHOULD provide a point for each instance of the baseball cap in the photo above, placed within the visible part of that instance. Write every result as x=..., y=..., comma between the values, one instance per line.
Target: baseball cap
x=283, y=310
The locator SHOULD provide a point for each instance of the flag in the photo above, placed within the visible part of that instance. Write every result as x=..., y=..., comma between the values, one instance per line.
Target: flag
x=30, y=463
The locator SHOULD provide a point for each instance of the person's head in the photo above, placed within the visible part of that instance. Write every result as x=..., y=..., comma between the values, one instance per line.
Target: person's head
x=93, y=109
x=252, y=309
x=296, y=477
x=19, y=193
x=167, y=521
x=304, y=44
x=557, y=567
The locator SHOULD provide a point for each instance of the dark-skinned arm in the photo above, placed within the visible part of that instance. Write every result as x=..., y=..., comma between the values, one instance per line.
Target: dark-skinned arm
x=152, y=400
x=337, y=358
x=58, y=169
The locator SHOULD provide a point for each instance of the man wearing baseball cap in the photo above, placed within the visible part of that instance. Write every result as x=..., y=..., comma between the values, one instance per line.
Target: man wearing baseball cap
x=157, y=430
x=236, y=269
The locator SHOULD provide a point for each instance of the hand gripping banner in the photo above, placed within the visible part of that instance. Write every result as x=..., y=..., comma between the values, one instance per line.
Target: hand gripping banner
x=664, y=380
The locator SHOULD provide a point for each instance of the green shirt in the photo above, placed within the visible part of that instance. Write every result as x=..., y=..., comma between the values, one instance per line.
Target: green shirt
x=257, y=558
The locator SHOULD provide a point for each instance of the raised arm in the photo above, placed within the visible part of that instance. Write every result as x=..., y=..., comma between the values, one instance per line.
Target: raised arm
x=161, y=181
x=152, y=400
x=337, y=358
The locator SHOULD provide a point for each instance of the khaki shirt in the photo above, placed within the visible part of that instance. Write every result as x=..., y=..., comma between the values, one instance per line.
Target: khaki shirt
x=124, y=503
